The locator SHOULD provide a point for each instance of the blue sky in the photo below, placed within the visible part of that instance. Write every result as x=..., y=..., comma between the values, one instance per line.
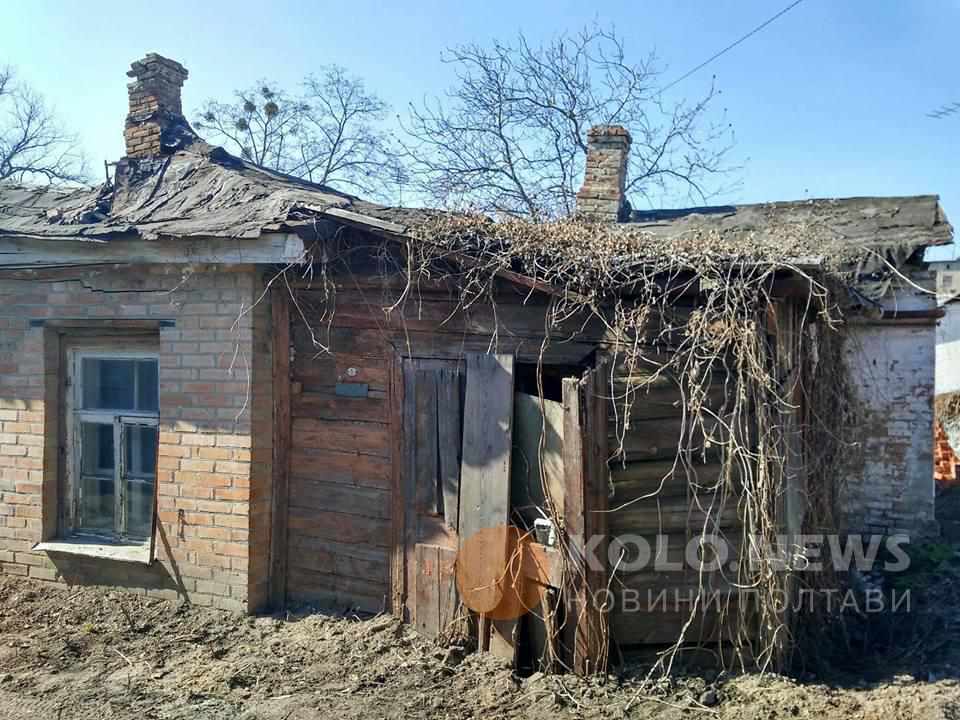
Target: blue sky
x=830, y=100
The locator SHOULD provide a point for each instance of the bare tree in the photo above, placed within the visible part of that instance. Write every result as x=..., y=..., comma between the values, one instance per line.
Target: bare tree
x=510, y=137
x=33, y=143
x=261, y=124
x=330, y=133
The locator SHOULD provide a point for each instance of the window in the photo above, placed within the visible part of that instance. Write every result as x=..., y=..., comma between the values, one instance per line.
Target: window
x=112, y=433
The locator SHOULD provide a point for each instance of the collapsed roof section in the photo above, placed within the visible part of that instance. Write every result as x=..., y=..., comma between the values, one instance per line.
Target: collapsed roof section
x=198, y=191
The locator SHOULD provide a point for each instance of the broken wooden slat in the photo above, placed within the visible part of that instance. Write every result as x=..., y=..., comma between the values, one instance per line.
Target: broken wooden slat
x=339, y=527
x=448, y=442
x=435, y=603
x=542, y=565
x=307, y=492
x=427, y=613
x=448, y=598
x=343, y=467
x=407, y=483
x=503, y=639
x=425, y=429
x=327, y=405
x=660, y=479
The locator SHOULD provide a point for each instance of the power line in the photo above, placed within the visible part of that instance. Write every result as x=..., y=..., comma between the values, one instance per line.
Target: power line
x=944, y=110
x=732, y=45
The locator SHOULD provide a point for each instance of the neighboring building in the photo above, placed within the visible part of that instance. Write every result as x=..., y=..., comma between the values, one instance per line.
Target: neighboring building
x=890, y=347
x=944, y=263
x=181, y=417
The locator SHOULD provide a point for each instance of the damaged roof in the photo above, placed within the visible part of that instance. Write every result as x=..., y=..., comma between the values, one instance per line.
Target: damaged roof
x=909, y=223
x=203, y=191
x=198, y=191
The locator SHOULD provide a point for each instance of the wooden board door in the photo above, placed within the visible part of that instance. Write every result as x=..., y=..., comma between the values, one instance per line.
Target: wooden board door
x=456, y=427
x=426, y=514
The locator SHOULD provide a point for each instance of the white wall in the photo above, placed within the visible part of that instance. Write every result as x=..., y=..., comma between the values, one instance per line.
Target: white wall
x=948, y=350
x=891, y=489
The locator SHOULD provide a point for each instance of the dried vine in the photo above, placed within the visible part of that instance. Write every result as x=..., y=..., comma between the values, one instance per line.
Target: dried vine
x=687, y=310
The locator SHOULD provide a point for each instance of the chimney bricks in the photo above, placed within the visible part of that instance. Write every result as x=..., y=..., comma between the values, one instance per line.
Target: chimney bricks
x=603, y=195
x=155, y=103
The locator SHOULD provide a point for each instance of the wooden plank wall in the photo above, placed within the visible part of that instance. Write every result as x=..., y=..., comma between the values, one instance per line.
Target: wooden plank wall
x=652, y=496
x=341, y=540
x=339, y=530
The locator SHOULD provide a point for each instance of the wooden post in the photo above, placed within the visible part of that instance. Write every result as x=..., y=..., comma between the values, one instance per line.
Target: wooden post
x=398, y=559
x=280, y=306
x=597, y=495
x=575, y=631
x=585, y=503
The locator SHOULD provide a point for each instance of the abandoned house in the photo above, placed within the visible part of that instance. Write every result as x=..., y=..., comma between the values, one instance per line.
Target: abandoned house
x=232, y=386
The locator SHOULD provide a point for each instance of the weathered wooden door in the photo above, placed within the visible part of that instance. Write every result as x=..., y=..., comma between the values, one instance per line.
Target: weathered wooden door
x=432, y=421
x=457, y=418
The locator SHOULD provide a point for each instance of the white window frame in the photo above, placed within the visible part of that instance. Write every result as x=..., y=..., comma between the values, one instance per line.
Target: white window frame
x=118, y=418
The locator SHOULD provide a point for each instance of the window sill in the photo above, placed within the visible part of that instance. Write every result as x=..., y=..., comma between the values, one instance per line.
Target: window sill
x=100, y=548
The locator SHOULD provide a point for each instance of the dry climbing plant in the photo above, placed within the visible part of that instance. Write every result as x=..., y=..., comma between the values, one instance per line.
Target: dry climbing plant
x=784, y=403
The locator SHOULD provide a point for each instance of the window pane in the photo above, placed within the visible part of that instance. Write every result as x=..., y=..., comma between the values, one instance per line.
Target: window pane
x=141, y=450
x=140, y=463
x=96, y=476
x=108, y=384
x=148, y=391
x=96, y=449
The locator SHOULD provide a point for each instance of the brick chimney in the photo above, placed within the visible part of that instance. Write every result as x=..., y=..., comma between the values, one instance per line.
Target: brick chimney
x=603, y=195
x=155, y=108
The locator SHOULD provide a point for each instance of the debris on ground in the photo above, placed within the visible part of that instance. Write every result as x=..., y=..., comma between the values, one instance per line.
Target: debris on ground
x=72, y=653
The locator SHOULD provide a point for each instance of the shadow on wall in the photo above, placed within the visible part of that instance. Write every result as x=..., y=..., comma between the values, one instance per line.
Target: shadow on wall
x=160, y=578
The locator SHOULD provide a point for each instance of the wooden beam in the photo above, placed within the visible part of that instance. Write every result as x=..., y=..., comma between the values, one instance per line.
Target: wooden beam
x=596, y=509
x=280, y=307
x=585, y=505
x=574, y=638
x=398, y=564
x=485, y=479
x=364, y=221
x=399, y=233
x=269, y=248
x=53, y=273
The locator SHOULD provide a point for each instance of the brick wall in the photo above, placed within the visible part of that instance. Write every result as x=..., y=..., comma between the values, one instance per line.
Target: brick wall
x=945, y=461
x=891, y=490
x=214, y=444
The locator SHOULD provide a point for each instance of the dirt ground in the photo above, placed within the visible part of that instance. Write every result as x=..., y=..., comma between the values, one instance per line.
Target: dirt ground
x=69, y=653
